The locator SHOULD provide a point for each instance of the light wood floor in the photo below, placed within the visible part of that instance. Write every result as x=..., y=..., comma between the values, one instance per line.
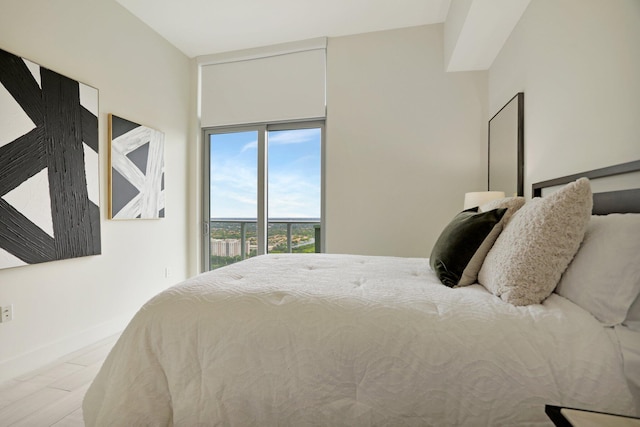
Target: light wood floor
x=52, y=396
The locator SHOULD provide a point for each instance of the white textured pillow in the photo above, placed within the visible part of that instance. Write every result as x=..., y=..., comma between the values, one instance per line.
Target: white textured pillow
x=534, y=249
x=512, y=204
x=604, y=276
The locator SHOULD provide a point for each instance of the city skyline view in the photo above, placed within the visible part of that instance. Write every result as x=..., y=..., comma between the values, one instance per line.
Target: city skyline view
x=294, y=178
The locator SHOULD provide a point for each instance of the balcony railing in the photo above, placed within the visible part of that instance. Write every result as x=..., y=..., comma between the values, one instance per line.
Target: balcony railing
x=289, y=222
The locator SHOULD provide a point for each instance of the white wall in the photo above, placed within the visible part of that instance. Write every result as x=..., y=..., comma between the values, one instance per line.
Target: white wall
x=405, y=141
x=63, y=305
x=453, y=26
x=578, y=64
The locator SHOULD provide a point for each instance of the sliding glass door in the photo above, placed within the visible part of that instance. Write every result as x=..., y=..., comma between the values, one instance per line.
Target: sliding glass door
x=233, y=190
x=263, y=191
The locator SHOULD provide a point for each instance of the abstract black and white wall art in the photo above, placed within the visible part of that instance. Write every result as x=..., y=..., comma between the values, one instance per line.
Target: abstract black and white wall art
x=137, y=170
x=49, y=181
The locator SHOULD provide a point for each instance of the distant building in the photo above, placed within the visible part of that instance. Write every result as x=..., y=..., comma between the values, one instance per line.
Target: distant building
x=228, y=247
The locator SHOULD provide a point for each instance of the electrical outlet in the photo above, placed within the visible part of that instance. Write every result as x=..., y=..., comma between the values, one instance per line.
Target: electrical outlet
x=6, y=313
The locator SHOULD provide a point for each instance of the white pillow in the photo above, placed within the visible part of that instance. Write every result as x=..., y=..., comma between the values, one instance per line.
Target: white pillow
x=604, y=277
x=534, y=249
x=634, y=312
x=512, y=204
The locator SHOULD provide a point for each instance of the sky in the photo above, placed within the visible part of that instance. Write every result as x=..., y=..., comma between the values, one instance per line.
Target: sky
x=293, y=174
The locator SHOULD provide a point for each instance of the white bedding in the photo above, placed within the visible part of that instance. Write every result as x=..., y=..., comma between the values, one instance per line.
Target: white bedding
x=334, y=340
x=629, y=338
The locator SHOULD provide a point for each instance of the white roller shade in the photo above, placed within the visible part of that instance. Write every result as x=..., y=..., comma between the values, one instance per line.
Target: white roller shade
x=289, y=86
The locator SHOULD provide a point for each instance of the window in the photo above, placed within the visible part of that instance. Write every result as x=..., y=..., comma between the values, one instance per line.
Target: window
x=263, y=191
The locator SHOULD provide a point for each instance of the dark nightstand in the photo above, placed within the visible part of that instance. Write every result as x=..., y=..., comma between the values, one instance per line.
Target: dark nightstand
x=570, y=417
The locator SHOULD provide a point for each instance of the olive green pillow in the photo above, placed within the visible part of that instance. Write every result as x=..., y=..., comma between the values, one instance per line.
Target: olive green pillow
x=459, y=241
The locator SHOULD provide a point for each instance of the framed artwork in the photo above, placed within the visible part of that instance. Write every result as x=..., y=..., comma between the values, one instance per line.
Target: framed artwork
x=506, y=148
x=136, y=170
x=49, y=178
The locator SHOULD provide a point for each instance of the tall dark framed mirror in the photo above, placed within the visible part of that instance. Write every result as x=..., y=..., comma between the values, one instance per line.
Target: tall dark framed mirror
x=506, y=148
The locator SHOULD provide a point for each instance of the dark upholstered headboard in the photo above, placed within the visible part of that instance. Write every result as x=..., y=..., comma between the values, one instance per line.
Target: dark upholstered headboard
x=620, y=201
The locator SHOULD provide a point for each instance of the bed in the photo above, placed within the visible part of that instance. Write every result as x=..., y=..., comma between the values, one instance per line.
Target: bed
x=323, y=339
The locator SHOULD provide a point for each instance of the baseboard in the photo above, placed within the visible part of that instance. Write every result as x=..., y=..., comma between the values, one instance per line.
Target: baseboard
x=52, y=352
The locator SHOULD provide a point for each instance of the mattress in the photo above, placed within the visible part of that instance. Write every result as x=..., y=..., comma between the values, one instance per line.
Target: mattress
x=318, y=339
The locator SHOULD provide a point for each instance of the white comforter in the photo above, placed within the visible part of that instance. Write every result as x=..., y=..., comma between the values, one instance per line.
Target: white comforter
x=340, y=340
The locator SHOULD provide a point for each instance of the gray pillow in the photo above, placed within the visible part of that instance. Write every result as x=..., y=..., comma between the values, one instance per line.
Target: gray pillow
x=459, y=241
x=536, y=246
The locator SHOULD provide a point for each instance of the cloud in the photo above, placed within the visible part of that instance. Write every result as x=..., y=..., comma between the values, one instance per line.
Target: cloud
x=233, y=190
x=294, y=196
x=253, y=145
x=291, y=195
x=293, y=136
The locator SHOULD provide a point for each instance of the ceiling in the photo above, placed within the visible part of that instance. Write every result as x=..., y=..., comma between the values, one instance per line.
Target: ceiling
x=203, y=27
